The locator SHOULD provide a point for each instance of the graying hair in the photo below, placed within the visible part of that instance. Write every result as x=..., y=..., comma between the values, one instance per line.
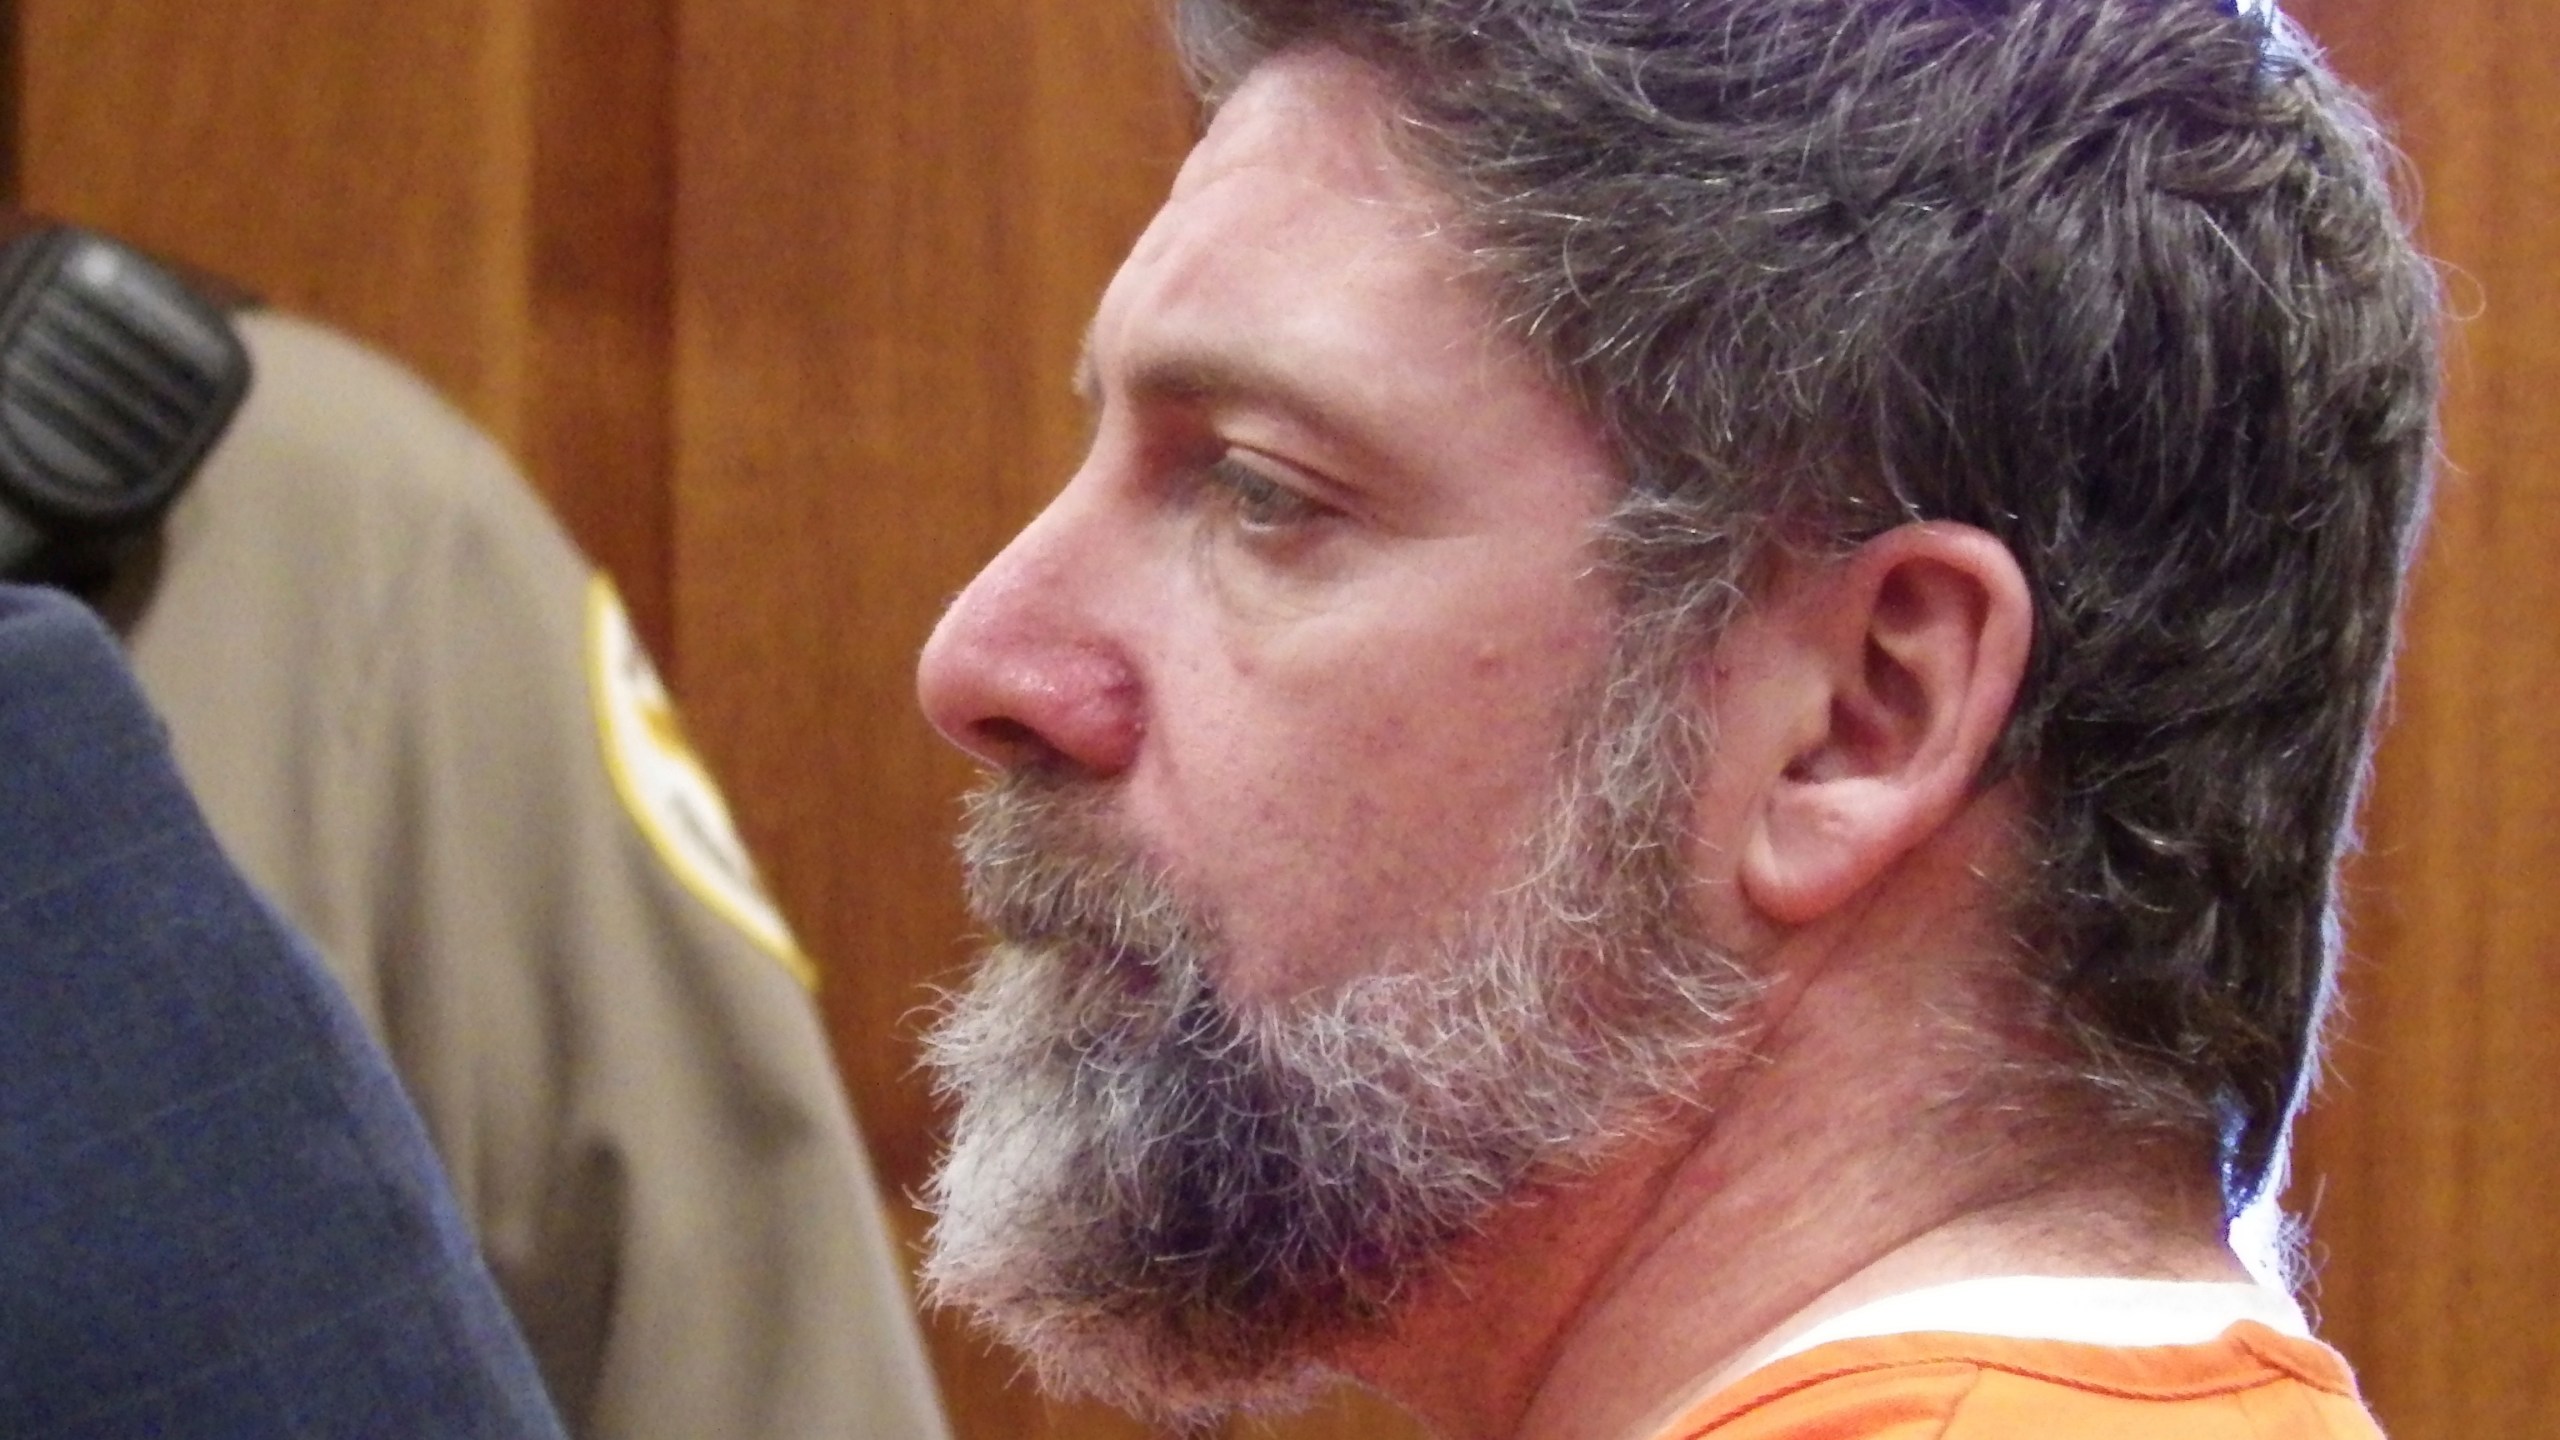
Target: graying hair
x=2120, y=282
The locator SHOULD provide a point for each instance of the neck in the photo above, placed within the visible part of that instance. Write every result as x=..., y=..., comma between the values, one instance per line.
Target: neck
x=1836, y=1168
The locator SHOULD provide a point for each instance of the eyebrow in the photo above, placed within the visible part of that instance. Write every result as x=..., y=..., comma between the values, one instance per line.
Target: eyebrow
x=1203, y=377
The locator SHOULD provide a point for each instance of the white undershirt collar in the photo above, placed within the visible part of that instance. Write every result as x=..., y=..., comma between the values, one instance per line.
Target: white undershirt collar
x=2083, y=1310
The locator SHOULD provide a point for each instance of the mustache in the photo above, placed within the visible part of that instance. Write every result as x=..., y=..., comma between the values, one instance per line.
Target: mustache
x=1044, y=867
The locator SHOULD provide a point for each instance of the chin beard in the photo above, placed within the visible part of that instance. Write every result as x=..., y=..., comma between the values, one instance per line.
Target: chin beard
x=1184, y=1206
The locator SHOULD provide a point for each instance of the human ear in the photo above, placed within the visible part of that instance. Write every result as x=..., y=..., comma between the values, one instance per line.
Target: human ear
x=1907, y=655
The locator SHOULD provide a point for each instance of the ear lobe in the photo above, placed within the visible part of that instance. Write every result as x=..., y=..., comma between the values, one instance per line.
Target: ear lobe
x=1916, y=644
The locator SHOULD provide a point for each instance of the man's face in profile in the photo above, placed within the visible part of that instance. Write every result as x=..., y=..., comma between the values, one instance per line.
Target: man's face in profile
x=1302, y=862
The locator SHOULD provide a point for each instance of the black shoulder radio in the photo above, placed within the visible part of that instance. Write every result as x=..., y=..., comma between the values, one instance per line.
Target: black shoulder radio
x=116, y=376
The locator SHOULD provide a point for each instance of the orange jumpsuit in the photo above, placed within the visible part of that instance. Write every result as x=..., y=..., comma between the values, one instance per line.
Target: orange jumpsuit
x=2249, y=1383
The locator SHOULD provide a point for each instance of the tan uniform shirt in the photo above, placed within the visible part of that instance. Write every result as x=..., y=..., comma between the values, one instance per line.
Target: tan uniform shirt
x=416, y=718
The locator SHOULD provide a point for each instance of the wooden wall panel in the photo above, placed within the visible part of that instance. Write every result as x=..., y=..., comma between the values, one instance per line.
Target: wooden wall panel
x=595, y=424
x=477, y=185
x=364, y=162
x=893, y=218
x=777, y=298
x=10, y=89
x=2431, y=1161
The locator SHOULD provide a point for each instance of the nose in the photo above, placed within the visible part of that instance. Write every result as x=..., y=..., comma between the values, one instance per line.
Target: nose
x=1022, y=671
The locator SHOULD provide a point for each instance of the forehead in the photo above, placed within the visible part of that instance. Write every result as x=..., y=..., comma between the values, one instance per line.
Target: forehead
x=1319, y=116
x=1294, y=221
x=1301, y=265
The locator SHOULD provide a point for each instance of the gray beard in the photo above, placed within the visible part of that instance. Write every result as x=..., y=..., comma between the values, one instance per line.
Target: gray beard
x=1184, y=1206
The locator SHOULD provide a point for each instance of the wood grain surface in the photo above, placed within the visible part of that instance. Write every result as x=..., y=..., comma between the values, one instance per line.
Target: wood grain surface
x=2431, y=1162
x=778, y=298
x=893, y=218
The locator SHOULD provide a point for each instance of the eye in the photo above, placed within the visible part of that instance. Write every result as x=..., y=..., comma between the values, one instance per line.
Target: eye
x=1259, y=505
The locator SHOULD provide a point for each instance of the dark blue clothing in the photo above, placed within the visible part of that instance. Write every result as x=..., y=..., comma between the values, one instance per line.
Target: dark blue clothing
x=219, y=1217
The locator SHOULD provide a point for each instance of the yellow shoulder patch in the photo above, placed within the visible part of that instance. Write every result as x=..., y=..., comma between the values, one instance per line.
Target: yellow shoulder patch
x=671, y=797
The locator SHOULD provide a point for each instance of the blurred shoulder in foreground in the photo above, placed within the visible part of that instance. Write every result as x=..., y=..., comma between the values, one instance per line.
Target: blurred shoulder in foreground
x=419, y=718
x=217, y=1214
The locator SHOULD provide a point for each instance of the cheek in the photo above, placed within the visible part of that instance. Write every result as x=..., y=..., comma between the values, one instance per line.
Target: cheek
x=1339, y=794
